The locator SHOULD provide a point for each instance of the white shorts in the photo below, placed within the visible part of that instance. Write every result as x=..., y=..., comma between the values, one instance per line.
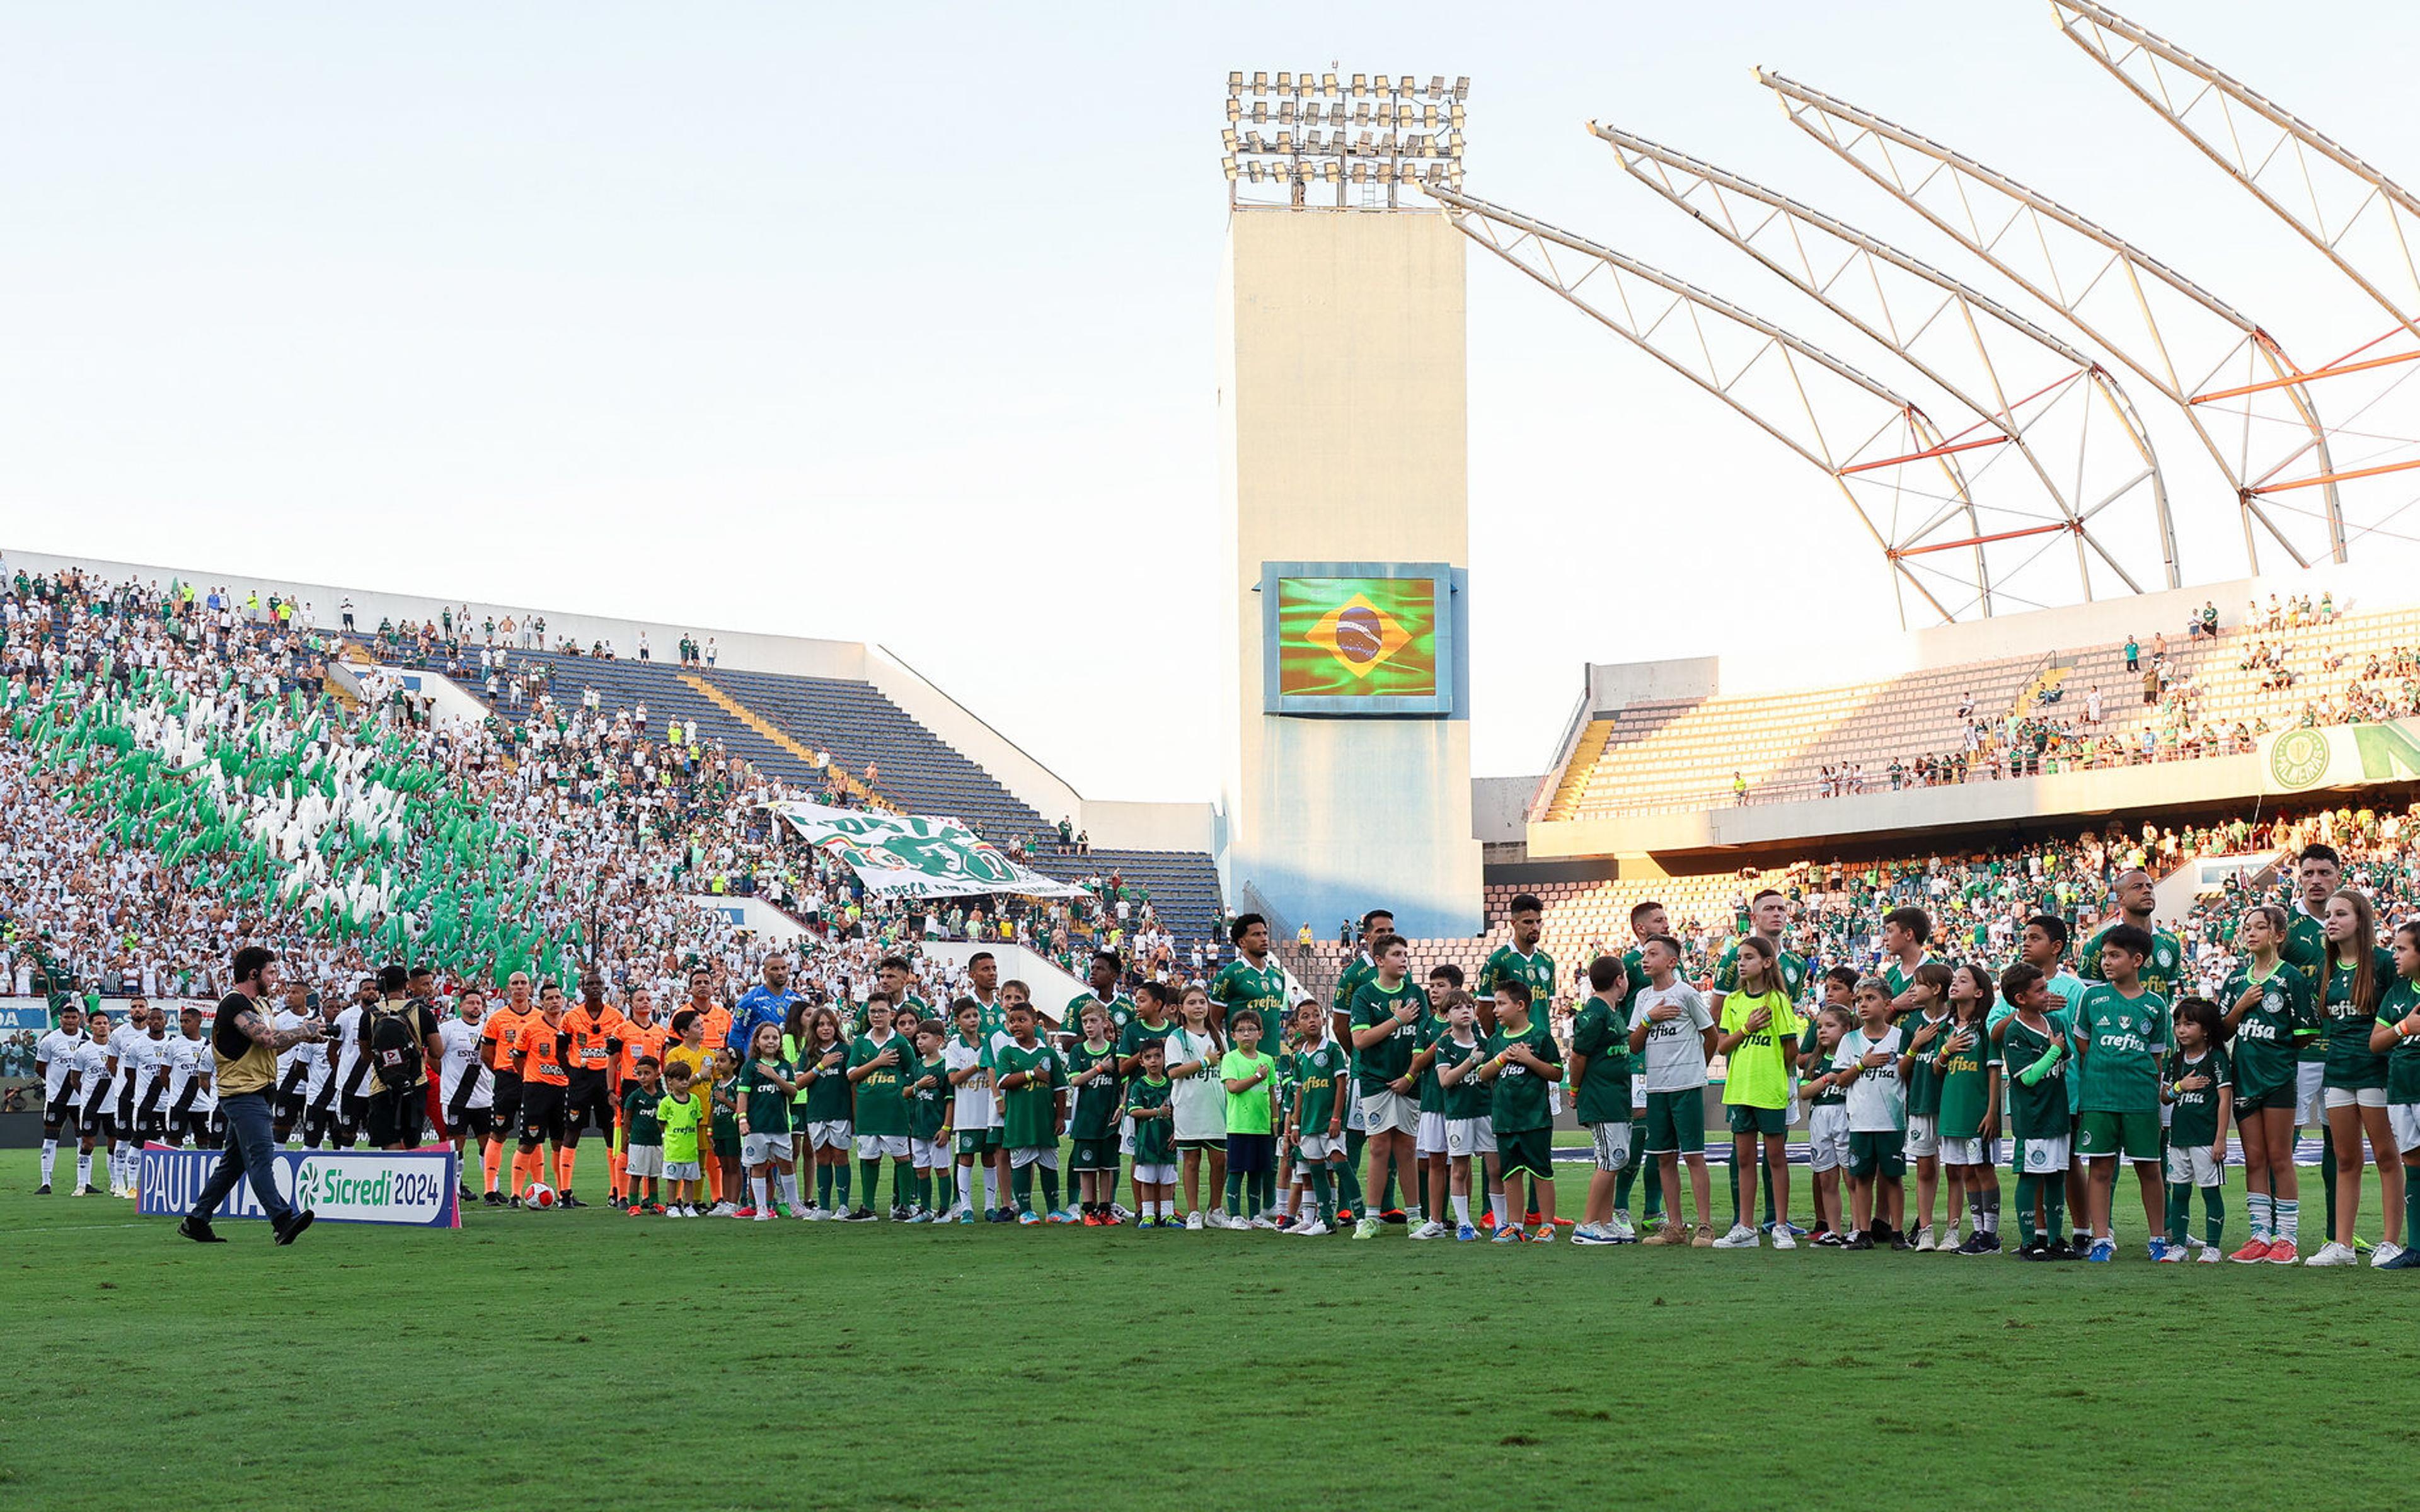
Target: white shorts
x=1827, y=1136
x=827, y=1135
x=2191, y=1165
x=2309, y=1080
x=1923, y=1135
x=1554, y=1099
x=1384, y=1111
x=1638, y=1098
x=1612, y=1142
x=759, y=1149
x=1045, y=1156
x=1353, y=1111
x=2044, y=1157
x=1320, y=1148
x=1155, y=1175
x=880, y=1147
x=1125, y=1136
x=2404, y=1118
x=683, y=1170
x=929, y=1154
x=1469, y=1136
x=1430, y=1140
x=2346, y=1096
x=1976, y=1152
x=644, y=1159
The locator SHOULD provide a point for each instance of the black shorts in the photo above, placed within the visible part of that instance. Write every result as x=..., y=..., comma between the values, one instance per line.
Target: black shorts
x=398, y=1116
x=507, y=1111
x=56, y=1116
x=206, y=1128
x=587, y=1098
x=290, y=1107
x=352, y=1110
x=541, y=1112
x=92, y=1121
x=1251, y=1154
x=472, y=1123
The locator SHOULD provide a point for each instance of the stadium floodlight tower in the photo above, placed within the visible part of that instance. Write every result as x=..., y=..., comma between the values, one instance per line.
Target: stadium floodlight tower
x=2240, y=393
x=1342, y=408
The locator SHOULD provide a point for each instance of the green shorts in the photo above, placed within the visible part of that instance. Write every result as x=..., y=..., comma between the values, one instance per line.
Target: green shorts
x=1676, y=1123
x=2101, y=1134
x=1882, y=1153
x=1525, y=1149
x=727, y=1141
x=2274, y=1097
x=978, y=1141
x=1095, y=1154
x=1744, y=1120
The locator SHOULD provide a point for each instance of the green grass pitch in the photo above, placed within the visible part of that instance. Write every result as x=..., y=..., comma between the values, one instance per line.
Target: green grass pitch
x=590, y=1360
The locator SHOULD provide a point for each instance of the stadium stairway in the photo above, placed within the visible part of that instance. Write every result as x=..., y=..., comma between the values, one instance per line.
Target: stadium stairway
x=777, y=722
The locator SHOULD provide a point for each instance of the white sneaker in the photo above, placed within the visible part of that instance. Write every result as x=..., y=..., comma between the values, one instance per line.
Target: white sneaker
x=1194, y=1222
x=815, y=1214
x=807, y=1214
x=1624, y=1231
x=1432, y=1229
x=1366, y=1228
x=1316, y=1229
x=1781, y=1239
x=1741, y=1237
x=1924, y=1239
x=1117, y=1210
x=764, y=1215
x=2387, y=1249
x=722, y=1210
x=2209, y=1254
x=1267, y=1222
x=2334, y=1254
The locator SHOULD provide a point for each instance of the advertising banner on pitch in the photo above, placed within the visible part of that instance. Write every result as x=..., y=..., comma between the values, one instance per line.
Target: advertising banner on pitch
x=344, y=1186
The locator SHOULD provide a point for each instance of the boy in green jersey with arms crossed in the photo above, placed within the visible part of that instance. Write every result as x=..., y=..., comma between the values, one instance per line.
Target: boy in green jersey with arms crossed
x=1155, y=1153
x=1250, y=1079
x=1315, y=1123
x=2194, y=1085
x=1093, y=1073
x=2265, y=1003
x=642, y=1136
x=681, y=1114
x=2395, y=1035
x=1469, y=1127
x=2034, y=1048
x=929, y=1106
x=1522, y=1068
x=1759, y=1037
x=1600, y=1071
x=878, y=1075
x=2121, y=1030
x=1030, y=1088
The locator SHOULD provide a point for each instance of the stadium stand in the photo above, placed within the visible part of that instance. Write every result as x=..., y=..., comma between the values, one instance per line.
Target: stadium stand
x=2176, y=698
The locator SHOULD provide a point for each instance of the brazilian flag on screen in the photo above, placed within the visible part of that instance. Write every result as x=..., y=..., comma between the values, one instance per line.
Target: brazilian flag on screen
x=1356, y=637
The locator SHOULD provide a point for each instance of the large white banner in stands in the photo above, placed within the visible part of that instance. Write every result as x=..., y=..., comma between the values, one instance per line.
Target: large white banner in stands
x=908, y=856
x=344, y=1186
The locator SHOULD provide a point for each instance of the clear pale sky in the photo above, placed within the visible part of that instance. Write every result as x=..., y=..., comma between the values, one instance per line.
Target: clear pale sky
x=824, y=319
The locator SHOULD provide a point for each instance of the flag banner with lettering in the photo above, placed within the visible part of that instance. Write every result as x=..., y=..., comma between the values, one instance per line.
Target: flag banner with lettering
x=908, y=856
x=2340, y=756
x=415, y=1187
x=1356, y=637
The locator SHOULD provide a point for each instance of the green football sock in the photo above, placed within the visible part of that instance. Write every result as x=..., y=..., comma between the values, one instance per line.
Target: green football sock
x=2028, y=1189
x=1349, y=1178
x=903, y=1183
x=2055, y=1203
x=1732, y=1167
x=1235, y=1192
x=1265, y=1189
x=1764, y=1163
x=823, y=1187
x=1050, y=1188
x=869, y=1176
x=2213, y=1214
x=839, y=1183
x=2180, y=1211
x=1322, y=1192
x=1021, y=1186
x=1386, y=1198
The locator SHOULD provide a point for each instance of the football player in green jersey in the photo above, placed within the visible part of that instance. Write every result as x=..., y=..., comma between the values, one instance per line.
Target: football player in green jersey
x=2034, y=1048
x=1385, y=1022
x=2395, y=1034
x=1101, y=992
x=877, y=1072
x=1093, y=1073
x=1905, y=934
x=1359, y=970
x=1521, y=960
x=2356, y=972
x=1032, y=1094
x=1315, y=1121
x=1968, y=1067
x=1522, y=1067
x=1600, y=1073
x=2164, y=968
x=2266, y=1002
x=1251, y=980
x=2196, y=1087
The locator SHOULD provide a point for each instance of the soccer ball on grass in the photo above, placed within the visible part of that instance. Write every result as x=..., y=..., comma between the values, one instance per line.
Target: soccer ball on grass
x=537, y=1195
